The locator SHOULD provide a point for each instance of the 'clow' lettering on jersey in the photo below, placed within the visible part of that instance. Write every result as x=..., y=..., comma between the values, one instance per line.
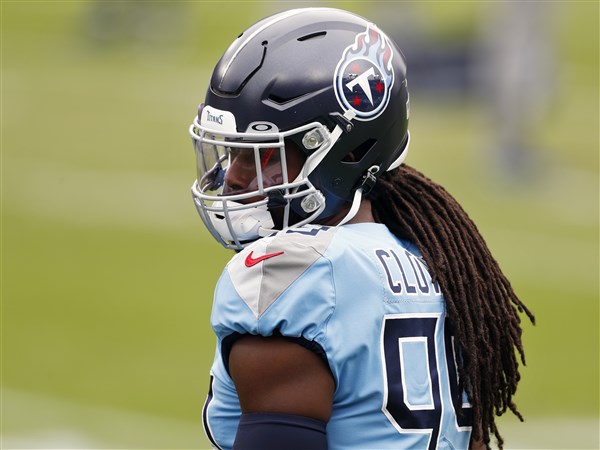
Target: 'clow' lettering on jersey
x=406, y=273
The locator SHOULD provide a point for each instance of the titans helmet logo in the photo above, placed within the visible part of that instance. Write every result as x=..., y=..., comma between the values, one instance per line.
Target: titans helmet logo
x=364, y=76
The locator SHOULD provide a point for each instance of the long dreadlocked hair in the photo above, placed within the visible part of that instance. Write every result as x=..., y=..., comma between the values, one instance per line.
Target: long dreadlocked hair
x=482, y=307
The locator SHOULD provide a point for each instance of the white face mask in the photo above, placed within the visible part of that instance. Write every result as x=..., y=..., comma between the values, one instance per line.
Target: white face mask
x=238, y=172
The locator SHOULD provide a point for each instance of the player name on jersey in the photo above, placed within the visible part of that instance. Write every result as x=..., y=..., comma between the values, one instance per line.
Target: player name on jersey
x=406, y=273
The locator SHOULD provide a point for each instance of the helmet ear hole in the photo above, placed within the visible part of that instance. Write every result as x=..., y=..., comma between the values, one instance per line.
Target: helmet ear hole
x=357, y=154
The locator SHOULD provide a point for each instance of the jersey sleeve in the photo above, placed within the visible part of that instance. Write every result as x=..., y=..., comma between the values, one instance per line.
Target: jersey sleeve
x=281, y=284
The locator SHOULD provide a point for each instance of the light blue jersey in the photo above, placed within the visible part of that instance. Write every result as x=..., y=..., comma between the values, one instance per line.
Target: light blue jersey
x=368, y=301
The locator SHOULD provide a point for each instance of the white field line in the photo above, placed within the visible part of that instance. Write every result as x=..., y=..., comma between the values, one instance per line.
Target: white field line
x=43, y=422
x=551, y=433
x=163, y=200
x=33, y=421
x=96, y=197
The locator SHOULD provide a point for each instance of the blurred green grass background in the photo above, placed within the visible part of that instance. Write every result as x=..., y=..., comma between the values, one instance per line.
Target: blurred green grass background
x=107, y=273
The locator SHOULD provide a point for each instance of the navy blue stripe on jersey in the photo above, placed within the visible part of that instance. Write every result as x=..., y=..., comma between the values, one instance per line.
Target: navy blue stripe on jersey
x=207, y=429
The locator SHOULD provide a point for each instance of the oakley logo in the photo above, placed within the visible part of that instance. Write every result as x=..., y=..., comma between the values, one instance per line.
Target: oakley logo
x=217, y=119
x=262, y=127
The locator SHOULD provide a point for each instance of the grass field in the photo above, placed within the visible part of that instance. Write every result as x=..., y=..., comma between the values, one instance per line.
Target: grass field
x=107, y=273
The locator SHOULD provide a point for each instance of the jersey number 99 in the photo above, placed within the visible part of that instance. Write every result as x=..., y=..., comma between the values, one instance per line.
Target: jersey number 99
x=417, y=389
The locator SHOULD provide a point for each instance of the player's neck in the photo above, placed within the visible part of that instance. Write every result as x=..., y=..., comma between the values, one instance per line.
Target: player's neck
x=364, y=214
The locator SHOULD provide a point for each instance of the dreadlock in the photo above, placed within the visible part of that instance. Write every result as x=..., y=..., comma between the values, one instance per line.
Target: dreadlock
x=481, y=305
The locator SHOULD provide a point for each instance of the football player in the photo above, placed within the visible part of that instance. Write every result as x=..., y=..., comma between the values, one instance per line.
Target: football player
x=363, y=310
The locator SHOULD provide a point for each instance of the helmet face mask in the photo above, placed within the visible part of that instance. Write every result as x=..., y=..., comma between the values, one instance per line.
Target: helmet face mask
x=244, y=177
x=290, y=100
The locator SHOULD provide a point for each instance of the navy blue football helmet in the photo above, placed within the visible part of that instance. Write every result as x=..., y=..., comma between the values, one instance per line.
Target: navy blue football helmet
x=322, y=81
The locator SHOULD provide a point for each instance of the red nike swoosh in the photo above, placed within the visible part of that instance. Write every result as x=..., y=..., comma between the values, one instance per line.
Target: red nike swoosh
x=250, y=261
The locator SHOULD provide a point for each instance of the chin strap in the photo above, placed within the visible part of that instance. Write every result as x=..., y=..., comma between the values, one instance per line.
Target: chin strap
x=367, y=183
x=354, y=208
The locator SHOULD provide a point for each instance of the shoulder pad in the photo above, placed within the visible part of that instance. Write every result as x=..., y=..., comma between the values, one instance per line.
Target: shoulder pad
x=263, y=271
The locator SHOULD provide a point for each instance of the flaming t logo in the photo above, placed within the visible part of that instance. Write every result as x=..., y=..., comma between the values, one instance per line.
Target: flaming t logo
x=364, y=75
